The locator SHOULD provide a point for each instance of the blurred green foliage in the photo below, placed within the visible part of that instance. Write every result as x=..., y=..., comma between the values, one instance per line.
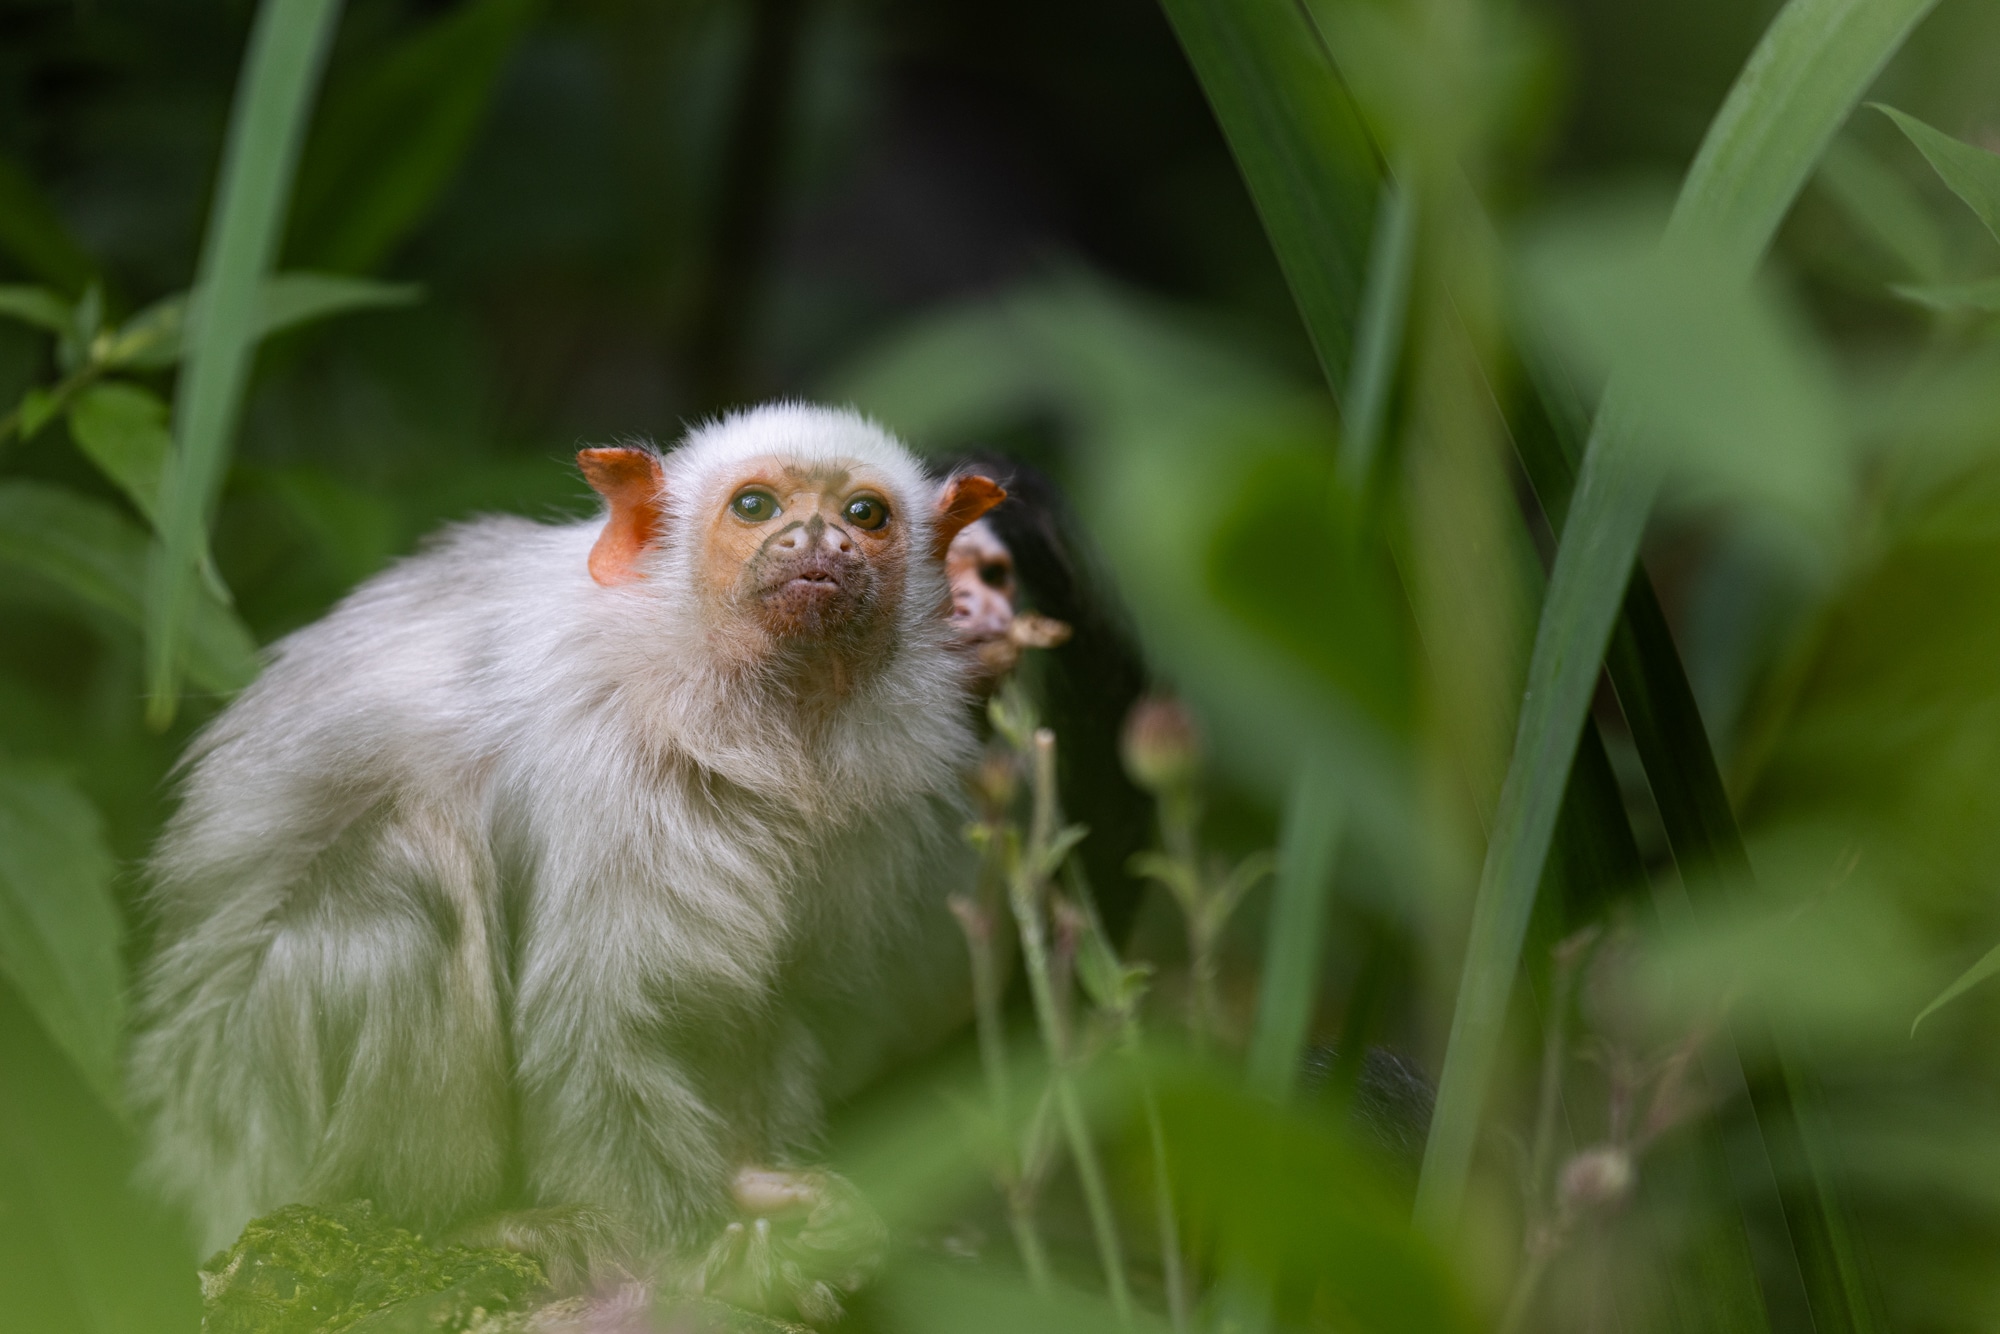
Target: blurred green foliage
x=1310, y=309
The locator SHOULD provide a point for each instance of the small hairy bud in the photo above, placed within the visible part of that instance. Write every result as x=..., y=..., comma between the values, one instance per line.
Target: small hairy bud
x=1161, y=746
x=1597, y=1178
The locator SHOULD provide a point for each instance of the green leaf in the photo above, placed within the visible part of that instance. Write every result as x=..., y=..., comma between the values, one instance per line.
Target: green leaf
x=1301, y=146
x=1988, y=965
x=1811, y=66
x=59, y=927
x=1972, y=173
x=1981, y=296
x=391, y=138
x=1884, y=206
x=36, y=407
x=37, y=306
x=97, y=555
x=1347, y=625
x=123, y=430
x=1735, y=391
x=291, y=299
x=281, y=71
x=157, y=335
x=33, y=233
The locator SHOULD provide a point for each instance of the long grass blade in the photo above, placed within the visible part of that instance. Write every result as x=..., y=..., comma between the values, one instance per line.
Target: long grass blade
x=1810, y=68
x=1385, y=303
x=1301, y=146
x=1290, y=976
x=287, y=52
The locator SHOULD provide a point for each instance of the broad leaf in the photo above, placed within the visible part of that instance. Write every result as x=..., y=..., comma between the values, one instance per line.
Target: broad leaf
x=1972, y=173
x=97, y=555
x=59, y=927
x=123, y=430
x=37, y=306
x=1884, y=206
x=157, y=336
x=267, y=122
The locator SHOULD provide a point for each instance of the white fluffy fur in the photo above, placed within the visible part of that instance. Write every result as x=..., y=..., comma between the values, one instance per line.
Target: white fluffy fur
x=496, y=889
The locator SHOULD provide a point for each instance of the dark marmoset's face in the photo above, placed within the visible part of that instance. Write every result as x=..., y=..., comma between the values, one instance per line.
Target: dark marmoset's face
x=808, y=552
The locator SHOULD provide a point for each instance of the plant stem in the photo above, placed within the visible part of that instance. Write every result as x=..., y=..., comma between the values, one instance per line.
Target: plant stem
x=977, y=921
x=1029, y=894
x=1175, y=1273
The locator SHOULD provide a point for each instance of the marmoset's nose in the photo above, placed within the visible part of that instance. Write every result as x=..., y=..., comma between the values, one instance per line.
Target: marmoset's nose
x=815, y=534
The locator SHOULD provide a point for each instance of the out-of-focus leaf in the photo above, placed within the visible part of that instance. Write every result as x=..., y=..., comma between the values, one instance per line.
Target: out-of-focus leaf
x=37, y=306
x=1298, y=1205
x=1301, y=147
x=281, y=71
x=1729, y=381
x=1811, y=66
x=926, y=1297
x=1343, y=619
x=33, y=234
x=1981, y=296
x=1988, y=965
x=1882, y=204
x=96, y=554
x=1972, y=173
x=1164, y=418
x=392, y=138
x=156, y=336
x=290, y=299
x=122, y=428
x=59, y=928
x=37, y=406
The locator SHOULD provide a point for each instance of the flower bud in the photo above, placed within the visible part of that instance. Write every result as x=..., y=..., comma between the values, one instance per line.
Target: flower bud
x=1161, y=748
x=1596, y=1178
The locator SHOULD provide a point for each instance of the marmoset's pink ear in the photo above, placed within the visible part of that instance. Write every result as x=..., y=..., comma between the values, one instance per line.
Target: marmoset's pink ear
x=630, y=482
x=965, y=498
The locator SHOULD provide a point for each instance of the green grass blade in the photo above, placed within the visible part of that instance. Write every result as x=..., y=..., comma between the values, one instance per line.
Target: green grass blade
x=1810, y=68
x=1972, y=173
x=1302, y=149
x=281, y=71
x=1385, y=303
x=1979, y=297
x=1290, y=977
x=1987, y=966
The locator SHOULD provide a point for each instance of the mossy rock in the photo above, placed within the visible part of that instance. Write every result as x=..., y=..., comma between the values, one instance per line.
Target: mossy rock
x=303, y=1270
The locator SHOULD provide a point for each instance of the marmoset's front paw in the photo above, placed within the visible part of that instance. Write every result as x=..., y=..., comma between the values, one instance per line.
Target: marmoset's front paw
x=806, y=1240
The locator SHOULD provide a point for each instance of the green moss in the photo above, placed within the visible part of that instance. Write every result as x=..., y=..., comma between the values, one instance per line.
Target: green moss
x=303, y=1270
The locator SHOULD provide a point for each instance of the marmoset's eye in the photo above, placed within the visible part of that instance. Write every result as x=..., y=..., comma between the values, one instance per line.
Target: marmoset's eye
x=993, y=574
x=754, y=506
x=866, y=512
